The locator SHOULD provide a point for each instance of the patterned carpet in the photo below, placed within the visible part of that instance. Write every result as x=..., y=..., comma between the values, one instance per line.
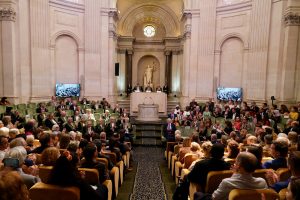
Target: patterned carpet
x=148, y=182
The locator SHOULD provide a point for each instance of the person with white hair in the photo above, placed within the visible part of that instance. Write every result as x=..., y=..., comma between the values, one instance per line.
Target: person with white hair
x=178, y=137
x=4, y=132
x=3, y=146
x=29, y=141
x=18, y=142
x=20, y=154
x=13, y=133
x=89, y=114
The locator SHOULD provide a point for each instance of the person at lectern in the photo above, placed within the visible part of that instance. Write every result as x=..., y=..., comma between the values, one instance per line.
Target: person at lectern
x=158, y=89
x=148, y=88
x=138, y=88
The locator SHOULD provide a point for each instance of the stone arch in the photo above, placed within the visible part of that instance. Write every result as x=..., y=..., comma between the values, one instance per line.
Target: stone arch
x=138, y=13
x=67, y=33
x=221, y=42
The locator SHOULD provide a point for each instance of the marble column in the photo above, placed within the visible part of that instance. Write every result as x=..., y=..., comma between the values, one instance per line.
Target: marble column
x=128, y=67
x=9, y=53
x=288, y=75
x=168, y=73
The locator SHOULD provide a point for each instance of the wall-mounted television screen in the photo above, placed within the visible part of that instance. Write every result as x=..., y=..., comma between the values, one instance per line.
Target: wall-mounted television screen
x=67, y=90
x=226, y=94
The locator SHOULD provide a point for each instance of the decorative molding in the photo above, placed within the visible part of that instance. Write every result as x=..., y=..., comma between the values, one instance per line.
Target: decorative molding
x=53, y=38
x=292, y=19
x=221, y=41
x=139, y=13
x=67, y=5
x=7, y=14
x=187, y=31
x=235, y=7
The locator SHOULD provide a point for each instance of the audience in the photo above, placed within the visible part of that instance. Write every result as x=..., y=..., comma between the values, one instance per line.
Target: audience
x=279, y=151
x=65, y=174
x=213, y=125
x=244, y=166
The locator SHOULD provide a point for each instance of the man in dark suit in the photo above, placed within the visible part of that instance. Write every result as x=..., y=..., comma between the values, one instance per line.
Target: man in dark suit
x=202, y=168
x=62, y=120
x=169, y=130
x=148, y=88
x=166, y=89
x=70, y=125
x=88, y=132
x=138, y=88
x=100, y=127
x=50, y=121
x=42, y=107
x=73, y=105
x=112, y=127
x=129, y=89
x=172, y=115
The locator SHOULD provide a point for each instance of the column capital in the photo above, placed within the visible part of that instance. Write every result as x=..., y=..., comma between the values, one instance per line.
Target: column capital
x=292, y=19
x=7, y=14
x=129, y=51
x=168, y=52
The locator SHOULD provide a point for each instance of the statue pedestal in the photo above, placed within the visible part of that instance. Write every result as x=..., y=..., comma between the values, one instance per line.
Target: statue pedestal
x=148, y=112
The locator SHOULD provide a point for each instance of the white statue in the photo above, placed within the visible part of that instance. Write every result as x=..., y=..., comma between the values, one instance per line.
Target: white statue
x=148, y=76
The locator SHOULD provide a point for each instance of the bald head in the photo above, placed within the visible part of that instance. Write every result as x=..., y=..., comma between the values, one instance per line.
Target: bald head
x=247, y=161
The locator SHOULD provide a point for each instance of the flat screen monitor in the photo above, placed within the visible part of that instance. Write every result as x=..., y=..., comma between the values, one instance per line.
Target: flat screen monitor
x=226, y=94
x=67, y=90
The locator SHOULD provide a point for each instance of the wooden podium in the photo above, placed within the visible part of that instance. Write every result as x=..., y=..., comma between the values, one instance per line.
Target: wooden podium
x=158, y=98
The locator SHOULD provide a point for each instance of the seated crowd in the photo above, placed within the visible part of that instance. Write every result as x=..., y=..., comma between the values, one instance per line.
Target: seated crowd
x=248, y=147
x=70, y=138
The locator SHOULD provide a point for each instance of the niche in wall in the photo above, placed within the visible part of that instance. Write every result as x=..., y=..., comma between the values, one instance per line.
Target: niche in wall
x=66, y=60
x=231, y=65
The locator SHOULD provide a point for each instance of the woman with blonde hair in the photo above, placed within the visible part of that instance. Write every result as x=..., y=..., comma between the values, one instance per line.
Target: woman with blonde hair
x=49, y=156
x=186, y=148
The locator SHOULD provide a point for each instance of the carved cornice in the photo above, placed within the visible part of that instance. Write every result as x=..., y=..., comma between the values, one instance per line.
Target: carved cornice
x=7, y=14
x=187, y=31
x=292, y=19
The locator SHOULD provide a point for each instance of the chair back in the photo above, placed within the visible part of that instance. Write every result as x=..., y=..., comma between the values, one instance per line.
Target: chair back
x=265, y=159
x=283, y=174
x=230, y=160
x=214, y=178
x=49, y=192
x=91, y=175
x=260, y=173
x=112, y=157
x=36, y=143
x=250, y=194
x=44, y=173
x=170, y=146
x=176, y=148
x=189, y=159
x=104, y=161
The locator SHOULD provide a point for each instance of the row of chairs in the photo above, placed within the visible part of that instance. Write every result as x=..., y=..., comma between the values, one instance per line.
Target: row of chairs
x=214, y=178
x=91, y=176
